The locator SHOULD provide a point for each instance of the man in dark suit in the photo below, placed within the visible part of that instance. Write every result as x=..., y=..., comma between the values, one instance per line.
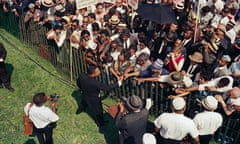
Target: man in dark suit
x=91, y=88
x=132, y=125
x=188, y=42
x=192, y=65
x=4, y=76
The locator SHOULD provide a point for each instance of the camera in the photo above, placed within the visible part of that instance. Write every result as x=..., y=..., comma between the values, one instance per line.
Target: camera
x=54, y=97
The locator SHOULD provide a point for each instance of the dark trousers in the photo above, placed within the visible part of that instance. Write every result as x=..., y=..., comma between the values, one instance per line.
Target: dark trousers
x=205, y=139
x=162, y=140
x=98, y=115
x=4, y=77
x=44, y=135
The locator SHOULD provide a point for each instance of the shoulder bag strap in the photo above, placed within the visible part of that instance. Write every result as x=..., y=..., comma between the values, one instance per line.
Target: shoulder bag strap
x=29, y=107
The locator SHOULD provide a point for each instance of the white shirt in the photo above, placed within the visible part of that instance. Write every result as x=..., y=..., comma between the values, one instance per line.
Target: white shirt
x=186, y=82
x=175, y=126
x=77, y=35
x=215, y=81
x=62, y=37
x=208, y=122
x=144, y=50
x=41, y=116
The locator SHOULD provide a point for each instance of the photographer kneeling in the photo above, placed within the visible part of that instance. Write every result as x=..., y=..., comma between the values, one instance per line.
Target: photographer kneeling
x=43, y=118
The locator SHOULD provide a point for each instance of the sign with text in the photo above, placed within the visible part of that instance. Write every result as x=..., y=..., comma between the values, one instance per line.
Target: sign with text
x=85, y=3
x=110, y=1
x=133, y=4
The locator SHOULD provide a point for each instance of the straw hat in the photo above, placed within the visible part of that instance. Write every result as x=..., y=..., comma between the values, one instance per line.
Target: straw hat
x=175, y=77
x=114, y=20
x=210, y=103
x=196, y=57
x=47, y=3
x=180, y=6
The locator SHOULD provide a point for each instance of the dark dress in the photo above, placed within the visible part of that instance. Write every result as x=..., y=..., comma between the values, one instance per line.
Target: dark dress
x=132, y=126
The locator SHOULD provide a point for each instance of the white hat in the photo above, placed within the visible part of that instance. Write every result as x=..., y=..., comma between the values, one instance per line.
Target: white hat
x=47, y=3
x=233, y=101
x=149, y=138
x=227, y=58
x=31, y=5
x=178, y=103
x=210, y=103
x=180, y=6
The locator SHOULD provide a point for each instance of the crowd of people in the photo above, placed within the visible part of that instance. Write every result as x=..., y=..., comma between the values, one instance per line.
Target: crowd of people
x=198, y=52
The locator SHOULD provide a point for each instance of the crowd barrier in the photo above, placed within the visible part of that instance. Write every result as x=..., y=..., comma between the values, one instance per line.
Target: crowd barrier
x=70, y=62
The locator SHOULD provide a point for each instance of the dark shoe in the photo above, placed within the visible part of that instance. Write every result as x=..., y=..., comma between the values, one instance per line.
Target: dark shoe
x=79, y=110
x=1, y=86
x=10, y=89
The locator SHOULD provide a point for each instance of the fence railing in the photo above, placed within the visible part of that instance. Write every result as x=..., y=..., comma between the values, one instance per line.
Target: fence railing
x=70, y=62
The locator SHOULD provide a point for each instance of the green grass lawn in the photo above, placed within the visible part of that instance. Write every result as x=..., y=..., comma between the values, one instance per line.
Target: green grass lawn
x=28, y=79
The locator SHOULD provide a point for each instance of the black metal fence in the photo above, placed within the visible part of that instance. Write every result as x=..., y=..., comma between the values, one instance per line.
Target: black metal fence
x=70, y=62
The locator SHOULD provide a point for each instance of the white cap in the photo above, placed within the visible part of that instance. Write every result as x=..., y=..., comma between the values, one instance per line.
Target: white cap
x=178, y=103
x=149, y=138
x=210, y=103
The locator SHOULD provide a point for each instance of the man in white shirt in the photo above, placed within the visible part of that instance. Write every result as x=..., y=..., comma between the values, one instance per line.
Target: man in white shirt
x=44, y=119
x=173, y=127
x=208, y=121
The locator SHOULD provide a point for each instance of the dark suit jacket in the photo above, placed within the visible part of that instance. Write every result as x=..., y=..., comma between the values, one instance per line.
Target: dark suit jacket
x=132, y=126
x=195, y=71
x=91, y=88
x=189, y=49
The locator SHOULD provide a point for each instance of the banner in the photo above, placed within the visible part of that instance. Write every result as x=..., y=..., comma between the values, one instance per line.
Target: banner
x=133, y=4
x=85, y=3
x=110, y=1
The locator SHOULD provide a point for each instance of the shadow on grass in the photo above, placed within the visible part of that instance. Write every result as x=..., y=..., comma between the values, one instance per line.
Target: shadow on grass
x=77, y=95
x=30, y=141
x=110, y=132
x=9, y=68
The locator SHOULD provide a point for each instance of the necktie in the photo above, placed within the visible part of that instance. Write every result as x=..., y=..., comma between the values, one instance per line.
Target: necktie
x=125, y=45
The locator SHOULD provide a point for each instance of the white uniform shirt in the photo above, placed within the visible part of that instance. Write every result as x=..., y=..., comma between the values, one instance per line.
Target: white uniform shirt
x=175, y=126
x=41, y=116
x=208, y=122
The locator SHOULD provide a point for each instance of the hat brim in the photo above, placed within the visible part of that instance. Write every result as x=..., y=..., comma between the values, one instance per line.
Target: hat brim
x=171, y=81
x=195, y=60
x=130, y=107
x=207, y=107
x=114, y=22
x=47, y=4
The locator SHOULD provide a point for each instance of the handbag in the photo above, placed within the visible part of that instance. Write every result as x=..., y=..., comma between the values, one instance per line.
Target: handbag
x=28, y=125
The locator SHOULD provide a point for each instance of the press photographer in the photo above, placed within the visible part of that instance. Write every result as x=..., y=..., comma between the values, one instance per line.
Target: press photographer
x=44, y=119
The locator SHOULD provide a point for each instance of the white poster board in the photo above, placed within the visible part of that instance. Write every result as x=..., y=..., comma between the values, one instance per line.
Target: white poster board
x=133, y=4
x=110, y=1
x=85, y=3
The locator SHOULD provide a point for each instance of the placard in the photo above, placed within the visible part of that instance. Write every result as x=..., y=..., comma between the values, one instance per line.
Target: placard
x=133, y=4
x=85, y=3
